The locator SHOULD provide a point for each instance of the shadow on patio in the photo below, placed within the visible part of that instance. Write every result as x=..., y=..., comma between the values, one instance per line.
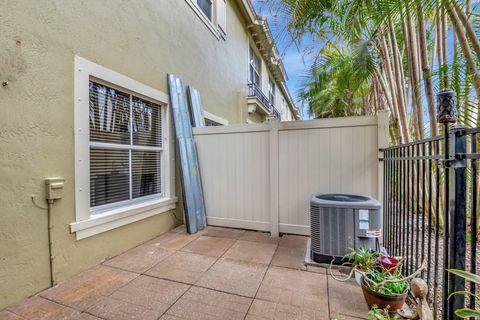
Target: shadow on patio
x=218, y=273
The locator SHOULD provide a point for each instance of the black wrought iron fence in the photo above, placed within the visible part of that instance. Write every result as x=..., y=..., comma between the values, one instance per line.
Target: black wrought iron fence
x=430, y=210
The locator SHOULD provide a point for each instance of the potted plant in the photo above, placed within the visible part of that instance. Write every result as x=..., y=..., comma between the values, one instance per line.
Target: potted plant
x=362, y=260
x=384, y=289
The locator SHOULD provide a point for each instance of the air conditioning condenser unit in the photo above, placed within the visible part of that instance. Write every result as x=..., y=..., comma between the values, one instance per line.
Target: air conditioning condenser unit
x=342, y=221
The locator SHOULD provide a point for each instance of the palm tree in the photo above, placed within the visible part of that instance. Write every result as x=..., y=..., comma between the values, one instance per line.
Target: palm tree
x=399, y=31
x=390, y=54
x=334, y=88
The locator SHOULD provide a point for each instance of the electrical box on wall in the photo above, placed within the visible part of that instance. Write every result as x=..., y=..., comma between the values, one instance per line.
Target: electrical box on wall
x=54, y=188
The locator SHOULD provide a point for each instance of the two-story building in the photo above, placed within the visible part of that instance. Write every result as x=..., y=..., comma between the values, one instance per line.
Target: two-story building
x=64, y=66
x=266, y=93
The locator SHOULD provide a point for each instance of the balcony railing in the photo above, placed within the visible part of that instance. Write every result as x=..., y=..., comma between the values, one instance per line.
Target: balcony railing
x=255, y=91
x=276, y=113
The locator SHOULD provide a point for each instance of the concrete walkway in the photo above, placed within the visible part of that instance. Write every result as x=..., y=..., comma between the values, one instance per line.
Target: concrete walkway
x=217, y=274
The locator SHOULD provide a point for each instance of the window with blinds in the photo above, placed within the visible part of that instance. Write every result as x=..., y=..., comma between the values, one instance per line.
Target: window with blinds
x=254, y=68
x=271, y=91
x=125, y=147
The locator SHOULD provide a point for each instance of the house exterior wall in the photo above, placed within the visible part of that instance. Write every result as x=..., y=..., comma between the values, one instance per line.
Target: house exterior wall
x=143, y=40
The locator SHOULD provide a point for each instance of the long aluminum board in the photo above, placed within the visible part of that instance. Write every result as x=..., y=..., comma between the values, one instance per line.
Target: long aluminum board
x=189, y=169
x=196, y=107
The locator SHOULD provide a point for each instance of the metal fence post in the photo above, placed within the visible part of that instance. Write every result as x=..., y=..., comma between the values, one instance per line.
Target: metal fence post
x=446, y=115
x=458, y=216
x=455, y=202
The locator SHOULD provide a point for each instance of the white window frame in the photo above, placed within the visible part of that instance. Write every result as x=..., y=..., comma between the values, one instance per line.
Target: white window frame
x=222, y=17
x=88, y=224
x=271, y=90
x=252, y=54
x=215, y=118
x=209, y=23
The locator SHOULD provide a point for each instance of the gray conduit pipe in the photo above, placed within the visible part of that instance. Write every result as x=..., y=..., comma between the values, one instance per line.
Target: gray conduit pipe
x=49, y=231
x=50, y=227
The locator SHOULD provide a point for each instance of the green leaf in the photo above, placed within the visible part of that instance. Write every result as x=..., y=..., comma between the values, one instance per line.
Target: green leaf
x=465, y=274
x=464, y=293
x=467, y=313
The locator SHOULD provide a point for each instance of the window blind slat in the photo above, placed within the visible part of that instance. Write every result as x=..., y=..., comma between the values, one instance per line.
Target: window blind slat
x=109, y=176
x=146, y=179
x=147, y=123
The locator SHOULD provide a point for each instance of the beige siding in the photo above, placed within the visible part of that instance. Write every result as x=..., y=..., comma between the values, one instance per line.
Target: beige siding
x=234, y=169
x=325, y=160
x=243, y=187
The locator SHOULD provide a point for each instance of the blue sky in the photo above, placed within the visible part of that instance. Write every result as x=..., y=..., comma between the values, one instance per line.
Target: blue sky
x=295, y=56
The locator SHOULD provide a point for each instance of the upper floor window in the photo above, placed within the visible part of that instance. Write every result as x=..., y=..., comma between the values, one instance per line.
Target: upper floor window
x=254, y=68
x=206, y=7
x=213, y=13
x=271, y=91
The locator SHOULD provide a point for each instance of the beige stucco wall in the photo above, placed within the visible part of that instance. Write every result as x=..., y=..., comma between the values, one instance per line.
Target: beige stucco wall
x=144, y=40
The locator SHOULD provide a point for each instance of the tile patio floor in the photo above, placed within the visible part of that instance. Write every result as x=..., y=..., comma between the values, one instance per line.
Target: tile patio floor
x=216, y=274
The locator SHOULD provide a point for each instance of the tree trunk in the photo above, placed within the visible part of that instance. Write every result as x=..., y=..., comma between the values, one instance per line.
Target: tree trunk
x=402, y=114
x=416, y=98
x=456, y=82
x=467, y=53
x=409, y=85
x=441, y=62
x=427, y=76
x=388, y=67
x=470, y=33
x=434, y=51
x=444, y=40
x=382, y=99
x=404, y=80
x=385, y=90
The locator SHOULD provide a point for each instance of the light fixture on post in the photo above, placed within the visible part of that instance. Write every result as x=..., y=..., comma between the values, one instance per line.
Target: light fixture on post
x=446, y=107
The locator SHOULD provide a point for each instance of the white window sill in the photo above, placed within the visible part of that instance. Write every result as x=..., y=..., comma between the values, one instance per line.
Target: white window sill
x=121, y=216
x=204, y=18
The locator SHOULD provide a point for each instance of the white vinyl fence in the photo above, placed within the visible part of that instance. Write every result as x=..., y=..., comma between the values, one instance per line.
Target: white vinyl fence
x=262, y=176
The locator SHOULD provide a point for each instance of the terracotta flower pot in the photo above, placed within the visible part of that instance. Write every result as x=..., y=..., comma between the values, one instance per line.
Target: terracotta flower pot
x=393, y=303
